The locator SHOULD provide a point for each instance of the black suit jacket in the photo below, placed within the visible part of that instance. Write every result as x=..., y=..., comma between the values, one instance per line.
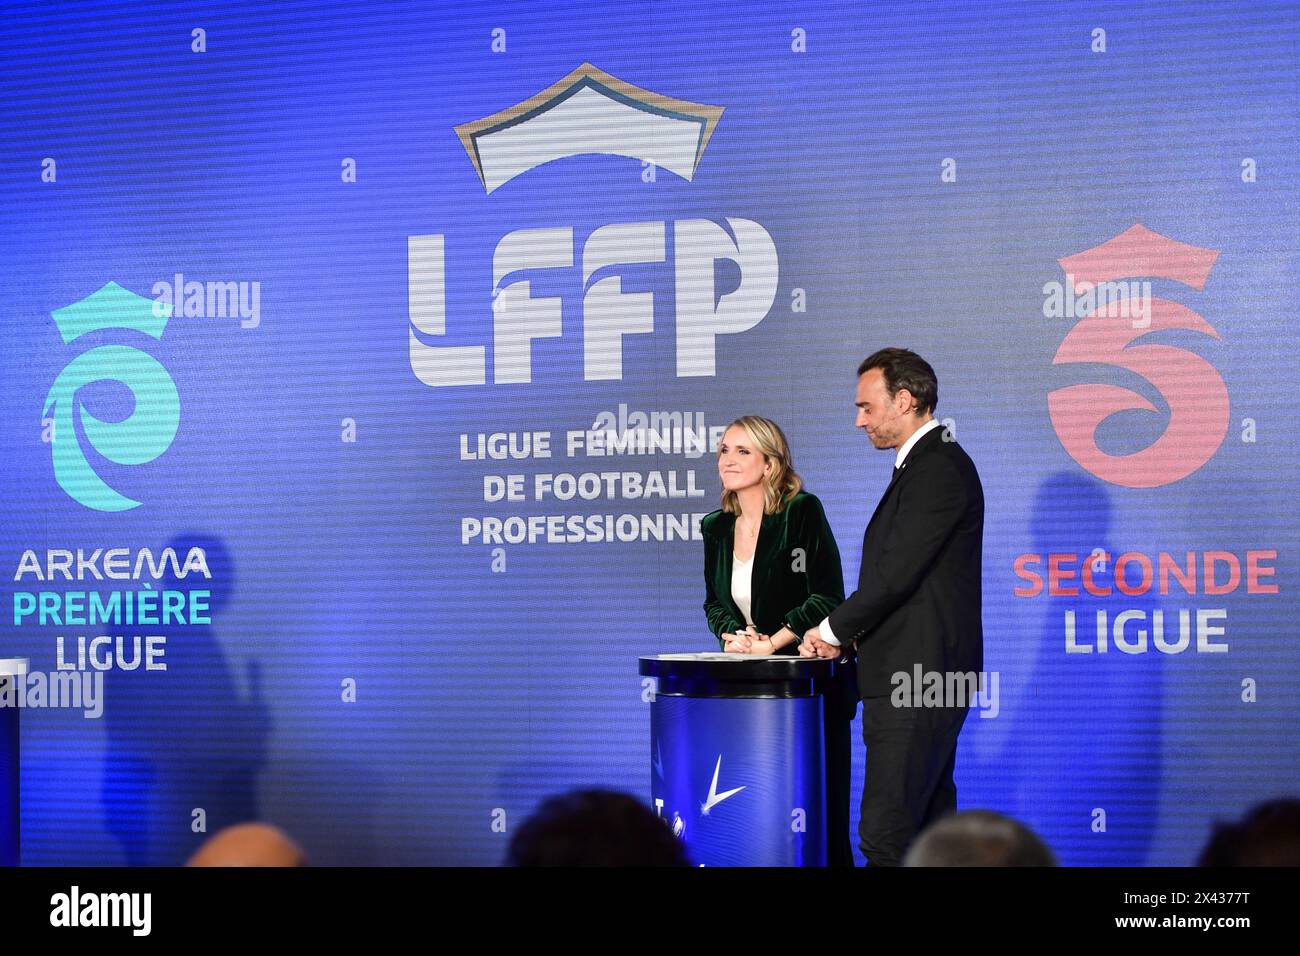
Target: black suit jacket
x=785, y=587
x=918, y=599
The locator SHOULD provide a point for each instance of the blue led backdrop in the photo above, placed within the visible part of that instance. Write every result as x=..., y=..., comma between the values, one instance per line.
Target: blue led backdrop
x=363, y=367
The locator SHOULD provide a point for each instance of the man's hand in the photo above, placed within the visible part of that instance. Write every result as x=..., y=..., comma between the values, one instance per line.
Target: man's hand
x=814, y=646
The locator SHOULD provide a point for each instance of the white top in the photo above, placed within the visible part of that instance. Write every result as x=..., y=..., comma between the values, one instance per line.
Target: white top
x=742, y=574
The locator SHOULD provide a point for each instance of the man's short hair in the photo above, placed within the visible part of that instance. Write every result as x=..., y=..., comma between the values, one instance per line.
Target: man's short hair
x=903, y=368
x=595, y=828
x=979, y=838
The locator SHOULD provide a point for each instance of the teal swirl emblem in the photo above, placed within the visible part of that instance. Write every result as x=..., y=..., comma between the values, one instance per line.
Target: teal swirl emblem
x=140, y=437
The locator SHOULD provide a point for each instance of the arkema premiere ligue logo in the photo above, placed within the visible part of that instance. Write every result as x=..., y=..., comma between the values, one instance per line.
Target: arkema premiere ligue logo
x=1115, y=315
x=142, y=435
x=591, y=112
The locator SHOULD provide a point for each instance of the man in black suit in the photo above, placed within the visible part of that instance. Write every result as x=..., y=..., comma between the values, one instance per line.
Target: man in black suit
x=917, y=606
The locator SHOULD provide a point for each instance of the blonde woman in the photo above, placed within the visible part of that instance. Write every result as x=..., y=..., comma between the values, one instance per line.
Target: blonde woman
x=771, y=565
x=771, y=572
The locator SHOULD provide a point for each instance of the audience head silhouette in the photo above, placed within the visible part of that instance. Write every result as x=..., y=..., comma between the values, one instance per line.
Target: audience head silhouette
x=249, y=844
x=979, y=838
x=595, y=828
x=1268, y=835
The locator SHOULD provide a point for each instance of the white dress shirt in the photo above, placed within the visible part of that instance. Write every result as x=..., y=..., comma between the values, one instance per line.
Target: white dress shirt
x=900, y=462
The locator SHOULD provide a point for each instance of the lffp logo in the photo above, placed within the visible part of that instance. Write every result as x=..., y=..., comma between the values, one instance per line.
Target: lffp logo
x=151, y=426
x=590, y=111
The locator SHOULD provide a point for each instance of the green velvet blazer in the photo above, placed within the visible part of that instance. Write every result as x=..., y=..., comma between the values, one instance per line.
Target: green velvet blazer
x=797, y=578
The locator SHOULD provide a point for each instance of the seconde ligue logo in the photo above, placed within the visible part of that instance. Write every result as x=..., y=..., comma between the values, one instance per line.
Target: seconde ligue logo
x=142, y=435
x=1192, y=388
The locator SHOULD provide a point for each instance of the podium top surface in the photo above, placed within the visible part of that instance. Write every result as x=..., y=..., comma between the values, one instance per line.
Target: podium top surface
x=735, y=667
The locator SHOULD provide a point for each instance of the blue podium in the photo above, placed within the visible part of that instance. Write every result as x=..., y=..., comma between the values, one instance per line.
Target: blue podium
x=737, y=756
x=12, y=670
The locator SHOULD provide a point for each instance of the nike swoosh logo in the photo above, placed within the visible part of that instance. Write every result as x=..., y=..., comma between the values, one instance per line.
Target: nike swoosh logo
x=714, y=797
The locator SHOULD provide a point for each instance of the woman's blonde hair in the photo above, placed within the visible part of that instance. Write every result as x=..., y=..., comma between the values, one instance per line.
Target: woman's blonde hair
x=780, y=484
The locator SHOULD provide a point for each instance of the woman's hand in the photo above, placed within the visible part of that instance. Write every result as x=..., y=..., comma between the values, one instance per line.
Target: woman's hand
x=749, y=641
x=737, y=643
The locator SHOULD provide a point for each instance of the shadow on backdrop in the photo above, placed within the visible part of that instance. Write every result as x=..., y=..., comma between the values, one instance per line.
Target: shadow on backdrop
x=1083, y=751
x=185, y=739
